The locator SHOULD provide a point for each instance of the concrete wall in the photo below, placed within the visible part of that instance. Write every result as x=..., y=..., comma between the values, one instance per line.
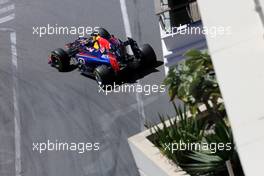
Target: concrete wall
x=239, y=60
x=149, y=160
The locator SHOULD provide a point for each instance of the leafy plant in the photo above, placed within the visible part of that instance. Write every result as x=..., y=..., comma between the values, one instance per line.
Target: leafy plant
x=180, y=129
x=187, y=129
x=206, y=162
x=194, y=82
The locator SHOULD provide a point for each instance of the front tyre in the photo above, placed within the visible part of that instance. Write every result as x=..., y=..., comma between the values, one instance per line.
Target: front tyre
x=60, y=59
x=149, y=57
x=103, y=75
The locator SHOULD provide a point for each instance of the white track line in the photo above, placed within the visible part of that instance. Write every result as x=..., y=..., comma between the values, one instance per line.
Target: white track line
x=3, y=1
x=127, y=26
x=17, y=125
x=7, y=8
x=7, y=18
x=125, y=18
x=122, y=112
x=16, y=108
x=259, y=10
x=126, y=22
x=6, y=30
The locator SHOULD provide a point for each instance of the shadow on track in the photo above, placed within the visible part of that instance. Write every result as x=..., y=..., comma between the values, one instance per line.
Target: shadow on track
x=128, y=76
x=132, y=77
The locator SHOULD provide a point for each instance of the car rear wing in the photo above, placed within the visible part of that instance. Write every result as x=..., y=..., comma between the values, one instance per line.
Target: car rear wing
x=134, y=47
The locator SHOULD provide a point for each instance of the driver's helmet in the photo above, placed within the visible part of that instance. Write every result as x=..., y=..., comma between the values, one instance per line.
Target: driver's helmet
x=95, y=40
x=93, y=36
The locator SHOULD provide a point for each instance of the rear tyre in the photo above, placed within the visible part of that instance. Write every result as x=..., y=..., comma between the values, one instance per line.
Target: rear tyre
x=149, y=57
x=134, y=65
x=103, y=75
x=60, y=59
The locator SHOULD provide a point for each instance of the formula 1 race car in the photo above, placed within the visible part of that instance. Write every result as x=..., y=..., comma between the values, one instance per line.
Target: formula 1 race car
x=103, y=56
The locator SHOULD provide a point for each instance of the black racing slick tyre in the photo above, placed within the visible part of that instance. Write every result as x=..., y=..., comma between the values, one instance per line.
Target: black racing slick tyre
x=103, y=75
x=134, y=65
x=149, y=57
x=60, y=59
x=103, y=33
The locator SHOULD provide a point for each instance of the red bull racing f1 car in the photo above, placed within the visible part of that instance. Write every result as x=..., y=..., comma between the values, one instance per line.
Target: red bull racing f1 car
x=103, y=56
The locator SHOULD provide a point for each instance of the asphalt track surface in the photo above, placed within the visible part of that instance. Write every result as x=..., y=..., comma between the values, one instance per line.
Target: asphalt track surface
x=67, y=106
